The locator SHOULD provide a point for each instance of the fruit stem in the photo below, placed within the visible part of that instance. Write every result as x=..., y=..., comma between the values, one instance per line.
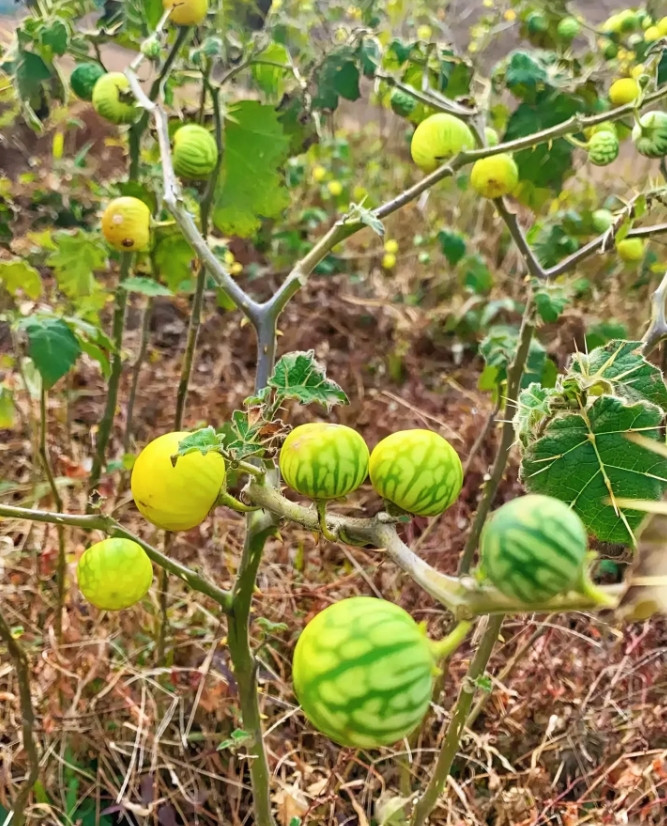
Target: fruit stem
x=576, y=142
x=588, y=588
x=444, y=648
x=230, y=501
x=322, y=518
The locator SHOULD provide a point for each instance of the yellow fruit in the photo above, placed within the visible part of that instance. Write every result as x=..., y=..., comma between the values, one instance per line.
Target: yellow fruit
x=662, y=26
x=391, y=246
x=510, y=15
x=424, y=32
x=113, y=99
x=388, y=261
x=319, y=173
x=186, y=12
x=437, y=138
x=630, y=249
x=637, y=70
x=495, y=176
x=114, y=574
x=624, y=90
x=651, y=34
x=335, y=188
x=126, y=224
x=179, y=497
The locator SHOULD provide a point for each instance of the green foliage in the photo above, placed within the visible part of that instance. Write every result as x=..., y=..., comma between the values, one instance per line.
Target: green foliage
x=51, y=345
x=299, y=376
x=18, y=276
x=452, y=244
x=75, y=259
x=498, y=348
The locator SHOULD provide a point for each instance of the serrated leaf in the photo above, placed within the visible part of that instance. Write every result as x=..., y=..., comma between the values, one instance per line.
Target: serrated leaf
x=145, y=286
x=203, y=440
x=17, y=275
x=239, y=437
x=75, y=259
x=299, y=376
x=173, y=259
x=622, y=364
x=584, y=458
x=251, y=185
x=523, y=70
x=550, y=301
x=52, y=346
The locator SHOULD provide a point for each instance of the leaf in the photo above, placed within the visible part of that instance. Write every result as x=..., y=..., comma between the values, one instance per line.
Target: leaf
x=622, y=364
x=299, y=376
x=338, y=76
x=476, y=275
x=370, y=55
x=550, y=301
x=367, y=217
x=203, y=441
x=52, y=346
x=499, y=347
x=523, y=71
x=55, y=35
x=31, y=73
x=239, y=437
x=145, y=286
x=251, y=186
x=584, y=458
x=271, y=79
x=173, y=259
x=17, y=275
x=452, y=244
x=7, y=408
x=75, y=259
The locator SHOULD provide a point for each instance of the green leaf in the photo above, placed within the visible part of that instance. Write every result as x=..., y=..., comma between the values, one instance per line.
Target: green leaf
x=31, y=73
x=55, y=35
x=584, y=459
x=7, y=408
x=203, y=441
x=452, y=244
x=17, y=275
x=239, y=437
x=271, y=79
x=238, y=738
x=75, y=259
x=524, y=70
x=52, y=346
x=145, y=286
x=299, y=376
x=499, y=347
x=367, y=217
x=622, y=365
x=369, y=54
x=271, y=627
x=338, y=76
x=476, y=275
x=550, y=301
x=173, y=257
x=251, y=185
x=604, y=331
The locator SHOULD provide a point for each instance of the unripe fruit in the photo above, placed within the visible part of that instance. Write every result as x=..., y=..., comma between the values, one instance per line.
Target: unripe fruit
x=602, y=219
x=568, y=28
x=495, y=176
x=609, y=50
x=630, y=250
x=83, y=79
x=391, y=246
x=402, y=103
x=324, y=461
x=437, y=138
x=335, y=188
x=650, y=134
x=491, y=136
x=537, y=23
x=114, y=574
x=624, y=90
x=195, y=152
x=176, y=497
x=126, y=224
x=388, y=261
x=603, y=148
x=113, y=99
x=186, y=12
x=416, y=470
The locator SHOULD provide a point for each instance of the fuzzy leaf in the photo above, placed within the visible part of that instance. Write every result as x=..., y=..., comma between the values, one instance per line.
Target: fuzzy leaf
x=299, y=376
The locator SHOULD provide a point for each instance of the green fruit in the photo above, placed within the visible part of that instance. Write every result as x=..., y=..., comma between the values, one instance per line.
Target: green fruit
x=628, y=21
x=491, y=136
x=494, y=176
x=630, y=250
x=114, y=574
x=650, y=134
x=609, y=50
x=363, y=672
x=437, y=138
x=533, y=548
x=324, y=461
x=603, y=148
x=568, y=28
x=83, y=79
x=195, y=152
x=402, y=103
x=602, y=219
x=417, y=470
x=537, y=23
x=113, y=99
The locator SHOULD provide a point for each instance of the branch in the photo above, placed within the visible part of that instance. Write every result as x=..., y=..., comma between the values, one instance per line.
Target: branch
x=532, y=264
x=109, y=526
x=657, y=330
x=429, y=97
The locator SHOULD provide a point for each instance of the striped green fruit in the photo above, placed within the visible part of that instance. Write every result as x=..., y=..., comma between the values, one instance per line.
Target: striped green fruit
x=603, y=148
x=113, y=99
x=533, y=548
x=417, y=470
x=324, y=461
x=83, y=79
x=195, y=152
x=649, y=134
x=363, y=672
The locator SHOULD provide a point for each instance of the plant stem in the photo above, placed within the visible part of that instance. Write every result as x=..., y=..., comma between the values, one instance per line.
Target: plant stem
x=427, y=801
x=106, y=424
x=61, y=565
x=22, y=668
x=136, y=372
x=259, y=527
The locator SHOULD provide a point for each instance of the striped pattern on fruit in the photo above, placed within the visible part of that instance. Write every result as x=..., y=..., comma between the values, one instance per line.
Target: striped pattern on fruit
x=324, y=461
x=112, y=98
x=649, y=135
x=417, y=470
x=195, y=152
x=83, y=79
x=363, y=672
x=533, y=548
x=603, y=148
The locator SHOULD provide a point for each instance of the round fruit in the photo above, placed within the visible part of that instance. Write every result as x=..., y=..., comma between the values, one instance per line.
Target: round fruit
x=126, y=224
x=650, y=134
x=113, y=99
x=602, y=219
x=324, y=461
x=537, y=23
x=624, y=90
x=437, y=138
x=630, y=250
x=495, y=176
x=195, y=152
x=491, y=136
x=417, y=470
x=533, y=548
x=568, y=28
x=114, y=574
x=363, y=672
x=603, y=148
x=609, y=50
x=335, y=188
x=186, y=12
x=402, y=103
x=388, y=260
x=83, y=79
x=178, y=497
x=652, y=33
